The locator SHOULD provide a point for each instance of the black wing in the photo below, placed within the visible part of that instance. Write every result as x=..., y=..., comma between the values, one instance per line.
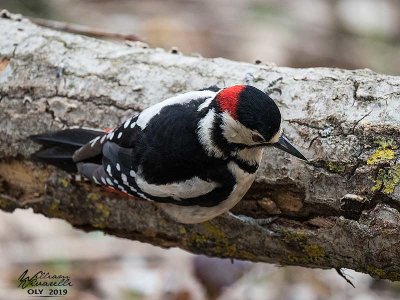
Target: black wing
x=163, y=162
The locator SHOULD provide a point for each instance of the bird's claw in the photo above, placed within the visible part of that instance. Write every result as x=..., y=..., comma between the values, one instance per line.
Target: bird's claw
x=257, y=222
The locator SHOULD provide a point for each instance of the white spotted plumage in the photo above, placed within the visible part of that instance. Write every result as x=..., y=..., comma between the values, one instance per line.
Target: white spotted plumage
x=124, y=178
x=126, y=124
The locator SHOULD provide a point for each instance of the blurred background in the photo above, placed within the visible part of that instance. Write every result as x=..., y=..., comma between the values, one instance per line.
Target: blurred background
x=296, y=33
x=299, y=33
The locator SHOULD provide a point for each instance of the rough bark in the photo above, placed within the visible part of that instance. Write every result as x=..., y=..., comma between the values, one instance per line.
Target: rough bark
x=339, y=210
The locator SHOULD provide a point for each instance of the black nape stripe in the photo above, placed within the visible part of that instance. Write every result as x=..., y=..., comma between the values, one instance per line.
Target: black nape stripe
x=251, y=169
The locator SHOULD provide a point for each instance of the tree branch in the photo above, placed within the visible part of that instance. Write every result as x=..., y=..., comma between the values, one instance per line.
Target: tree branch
x=339, y=210
x=84, y=30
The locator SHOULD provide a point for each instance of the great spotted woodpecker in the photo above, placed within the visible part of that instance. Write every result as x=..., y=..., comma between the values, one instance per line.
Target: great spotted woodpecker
x=195, y=154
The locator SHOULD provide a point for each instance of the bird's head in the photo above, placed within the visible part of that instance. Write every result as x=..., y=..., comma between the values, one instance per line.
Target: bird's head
x=250, y=118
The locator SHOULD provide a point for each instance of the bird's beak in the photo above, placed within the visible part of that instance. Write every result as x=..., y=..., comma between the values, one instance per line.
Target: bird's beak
x=286, y=146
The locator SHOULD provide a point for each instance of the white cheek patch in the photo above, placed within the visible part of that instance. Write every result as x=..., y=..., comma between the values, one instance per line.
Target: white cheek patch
x=235, y=132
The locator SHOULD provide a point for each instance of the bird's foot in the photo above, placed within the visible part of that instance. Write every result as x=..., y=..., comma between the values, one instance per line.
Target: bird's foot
x=250, y=220
x=258, y=222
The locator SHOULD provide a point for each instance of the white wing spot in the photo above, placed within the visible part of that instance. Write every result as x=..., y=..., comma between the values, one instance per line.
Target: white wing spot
x=118, y=167
x=103, y=138
x=126, y=124
x=95, y=180
x=119, y=135
x=110, y=135
x=103, y=180
x=124, y=178
x=94, y=141
x=132, y=173
x=115, y=181
x=133, y=124
x=109, y=170
x=109, y=181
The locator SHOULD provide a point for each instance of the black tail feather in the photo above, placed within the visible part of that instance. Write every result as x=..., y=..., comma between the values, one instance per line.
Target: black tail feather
x=58, y=147
x=72, y=137
x=60, y=157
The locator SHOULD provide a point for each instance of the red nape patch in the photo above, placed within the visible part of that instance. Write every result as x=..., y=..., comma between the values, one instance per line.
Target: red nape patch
x=228, y=99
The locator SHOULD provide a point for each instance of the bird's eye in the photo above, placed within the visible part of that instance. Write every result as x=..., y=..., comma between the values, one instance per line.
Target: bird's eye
x=256, y=138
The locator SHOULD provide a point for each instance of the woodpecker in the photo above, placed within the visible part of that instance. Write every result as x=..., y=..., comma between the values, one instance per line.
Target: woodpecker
x=195, y=154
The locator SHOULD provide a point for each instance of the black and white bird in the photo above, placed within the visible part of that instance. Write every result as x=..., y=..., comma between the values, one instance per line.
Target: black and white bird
x=195, y=154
